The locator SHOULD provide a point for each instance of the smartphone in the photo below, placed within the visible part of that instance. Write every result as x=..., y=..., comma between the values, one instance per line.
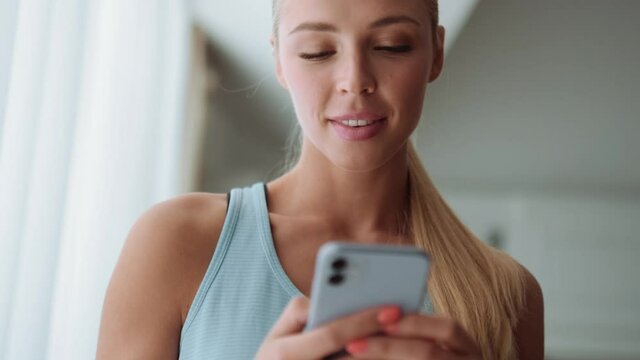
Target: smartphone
x=350, y=277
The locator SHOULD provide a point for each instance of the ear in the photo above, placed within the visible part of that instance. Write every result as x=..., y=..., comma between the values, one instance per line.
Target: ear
x=438, y=56
x=276, y=58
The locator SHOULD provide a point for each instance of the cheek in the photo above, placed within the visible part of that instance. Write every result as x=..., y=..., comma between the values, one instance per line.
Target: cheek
x=407, y=85
x=306, y=88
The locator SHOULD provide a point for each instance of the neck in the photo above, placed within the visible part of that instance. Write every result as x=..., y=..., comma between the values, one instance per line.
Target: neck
x=360, y=206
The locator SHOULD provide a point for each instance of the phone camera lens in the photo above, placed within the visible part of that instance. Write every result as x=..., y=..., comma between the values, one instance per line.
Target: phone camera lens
x=339, y=264
x=336, y=279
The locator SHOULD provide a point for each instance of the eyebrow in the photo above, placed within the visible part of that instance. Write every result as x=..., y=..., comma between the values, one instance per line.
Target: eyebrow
x=386, y=21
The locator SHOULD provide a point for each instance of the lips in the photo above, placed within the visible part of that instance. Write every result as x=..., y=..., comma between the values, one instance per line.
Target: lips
x=360, y=133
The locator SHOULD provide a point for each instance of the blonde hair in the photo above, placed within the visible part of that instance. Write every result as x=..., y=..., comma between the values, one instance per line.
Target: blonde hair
x=480, y=287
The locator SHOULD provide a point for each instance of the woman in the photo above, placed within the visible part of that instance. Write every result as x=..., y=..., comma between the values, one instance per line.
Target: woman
x=210, y=276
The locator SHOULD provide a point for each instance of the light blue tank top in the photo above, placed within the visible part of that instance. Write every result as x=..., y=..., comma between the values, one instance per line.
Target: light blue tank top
x=245, y=288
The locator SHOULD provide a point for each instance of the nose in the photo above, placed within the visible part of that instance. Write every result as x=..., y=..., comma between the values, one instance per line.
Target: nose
x=356, y=76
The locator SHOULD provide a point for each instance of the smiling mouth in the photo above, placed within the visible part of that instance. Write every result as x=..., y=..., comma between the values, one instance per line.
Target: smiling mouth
x=358, y=129
x=356, y=123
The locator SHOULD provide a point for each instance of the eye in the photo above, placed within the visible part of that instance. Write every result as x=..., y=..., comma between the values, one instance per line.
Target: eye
x=394, y=49
x=316, y=56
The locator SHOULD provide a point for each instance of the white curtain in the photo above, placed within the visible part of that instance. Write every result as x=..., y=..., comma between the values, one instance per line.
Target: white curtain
x=90, y=137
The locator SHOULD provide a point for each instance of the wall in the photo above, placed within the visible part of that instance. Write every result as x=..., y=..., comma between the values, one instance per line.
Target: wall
x=539, y=94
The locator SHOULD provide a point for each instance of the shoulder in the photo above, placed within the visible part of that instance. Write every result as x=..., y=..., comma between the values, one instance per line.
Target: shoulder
x=177, y=238
x=176, y=228
x=177, y=221
x=529, y=331
x=184, y=210
x=161, y=265
x=523, y=297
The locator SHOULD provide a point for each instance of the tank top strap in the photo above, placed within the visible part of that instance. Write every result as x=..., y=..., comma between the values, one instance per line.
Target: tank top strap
x=259, y=197
x=234, y=204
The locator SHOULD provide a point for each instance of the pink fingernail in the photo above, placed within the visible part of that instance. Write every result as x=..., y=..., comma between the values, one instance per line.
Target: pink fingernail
x=357, y=347
x=389, y=316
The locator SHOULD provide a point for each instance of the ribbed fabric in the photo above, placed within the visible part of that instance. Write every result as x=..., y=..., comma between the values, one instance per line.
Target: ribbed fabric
x=245, y=288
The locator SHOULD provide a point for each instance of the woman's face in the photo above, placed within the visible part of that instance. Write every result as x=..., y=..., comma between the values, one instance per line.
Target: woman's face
x=357, y=72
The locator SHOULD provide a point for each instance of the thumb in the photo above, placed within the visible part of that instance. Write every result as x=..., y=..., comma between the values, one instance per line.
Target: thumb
x=292, y=320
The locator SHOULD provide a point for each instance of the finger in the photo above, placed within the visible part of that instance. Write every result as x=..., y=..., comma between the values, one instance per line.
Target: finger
x=293, y=318
x=442, y=330
x=385, y=347
x=333, y=336
x=350, y=357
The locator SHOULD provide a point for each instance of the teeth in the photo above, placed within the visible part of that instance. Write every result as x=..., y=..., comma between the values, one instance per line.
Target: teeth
x=355, y=122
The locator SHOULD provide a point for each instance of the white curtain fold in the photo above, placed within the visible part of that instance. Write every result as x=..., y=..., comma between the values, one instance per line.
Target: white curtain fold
x=91, y=137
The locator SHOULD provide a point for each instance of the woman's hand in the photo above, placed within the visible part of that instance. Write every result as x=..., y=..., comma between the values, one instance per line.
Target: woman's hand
x=418, y=337
x=287, y=341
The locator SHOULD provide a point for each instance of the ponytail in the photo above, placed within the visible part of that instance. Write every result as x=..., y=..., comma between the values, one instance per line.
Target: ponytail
x=479, y=286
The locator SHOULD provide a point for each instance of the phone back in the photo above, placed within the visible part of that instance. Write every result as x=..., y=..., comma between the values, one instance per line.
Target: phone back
x=350, y=277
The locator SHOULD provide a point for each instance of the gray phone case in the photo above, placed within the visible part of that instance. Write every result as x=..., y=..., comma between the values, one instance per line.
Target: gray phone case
x=371, y=275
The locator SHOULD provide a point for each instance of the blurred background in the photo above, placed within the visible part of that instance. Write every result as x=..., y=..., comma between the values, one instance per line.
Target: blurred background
x=110, y=106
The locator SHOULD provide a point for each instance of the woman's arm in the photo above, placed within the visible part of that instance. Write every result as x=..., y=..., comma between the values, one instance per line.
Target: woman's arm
x=530, y=328
x=159, y=270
